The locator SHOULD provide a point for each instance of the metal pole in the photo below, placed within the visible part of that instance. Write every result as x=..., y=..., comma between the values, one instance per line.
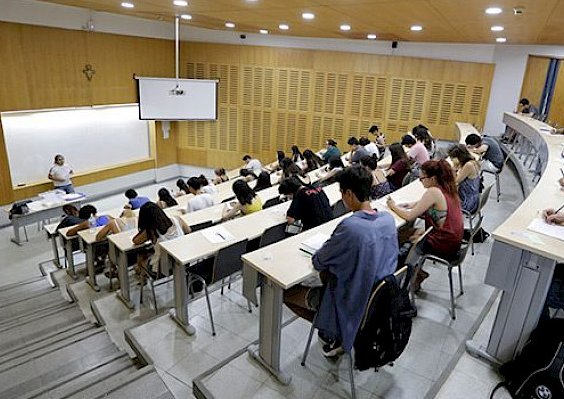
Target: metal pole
x=176, y=44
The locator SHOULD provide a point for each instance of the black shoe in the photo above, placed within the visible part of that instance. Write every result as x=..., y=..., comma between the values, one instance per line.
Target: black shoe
x=332, y=349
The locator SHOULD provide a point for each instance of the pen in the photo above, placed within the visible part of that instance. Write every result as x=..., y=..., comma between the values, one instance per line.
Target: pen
x=219, y=234
x=559, y=209
x=562, y=171
x=307, y=252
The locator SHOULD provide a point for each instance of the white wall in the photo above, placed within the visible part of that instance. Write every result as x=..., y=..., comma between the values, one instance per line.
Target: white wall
x=510, y=60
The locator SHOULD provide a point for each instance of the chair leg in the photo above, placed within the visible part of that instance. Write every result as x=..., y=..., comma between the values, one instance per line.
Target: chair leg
x=460, y=279
x=470, y=219
x=306, y=351
x=453, y=315
x=351, y=375
x=154, y=296
x=250, y=306
x=209, y=308
x=497, y=187
x=222, y=280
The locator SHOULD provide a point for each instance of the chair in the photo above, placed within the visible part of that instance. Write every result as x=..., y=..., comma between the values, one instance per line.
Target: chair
x=475, y=227
x=227, y=262
x=400, y=275
x=201, y=226
x=271, y=202
x=339, y=209
x=496, y=175
x=273, y=234
x=456, y=262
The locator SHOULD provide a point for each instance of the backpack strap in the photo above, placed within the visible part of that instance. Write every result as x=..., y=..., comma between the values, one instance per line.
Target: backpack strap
x=499, y=385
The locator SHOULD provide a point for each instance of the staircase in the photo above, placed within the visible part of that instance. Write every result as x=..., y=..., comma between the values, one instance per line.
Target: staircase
x=49, y=350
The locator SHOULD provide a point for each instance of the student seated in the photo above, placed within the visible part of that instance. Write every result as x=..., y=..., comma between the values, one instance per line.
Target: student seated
x=525, y=107
x=555, y=296
x=135, y=201
x=84, y=214
x=399, y=168
x=247, y=201
x=313, y=162
x=332, y=151
x=380, y=138
x=370, y=147
x=422, y=134
x=309, y=204
x=206, y=187
x=71, y=217
x=440, y=207
x=289, y=169
x=335, y=166
x=357, y=151
x=165, y=199
x=263, y=181
x=417, y=151
x=220, y=176
x=247, y=175
x=296, y=154
x=155, y=226
x=488, y=148
x=200, y=200
x=371, y=164
x=252, y=164
x=467, y=171
x=362, y=250
x=182, y=188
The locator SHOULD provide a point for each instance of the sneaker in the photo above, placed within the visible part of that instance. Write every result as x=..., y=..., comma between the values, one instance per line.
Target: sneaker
x=333, y=349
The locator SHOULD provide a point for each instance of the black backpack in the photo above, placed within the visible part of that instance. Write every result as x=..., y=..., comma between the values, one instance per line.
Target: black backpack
x=19, y=208
x=538, y=371
x=386, y=327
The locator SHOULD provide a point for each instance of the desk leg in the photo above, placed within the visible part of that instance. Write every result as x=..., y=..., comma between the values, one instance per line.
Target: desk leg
x=16, y=226
x=91, y=277
x=124, y=293
x=270, y=331
x=180, y=312
x=55, y=251
x=70, y=259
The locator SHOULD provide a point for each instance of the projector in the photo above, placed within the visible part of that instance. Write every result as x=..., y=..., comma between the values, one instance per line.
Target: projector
x=176, y=92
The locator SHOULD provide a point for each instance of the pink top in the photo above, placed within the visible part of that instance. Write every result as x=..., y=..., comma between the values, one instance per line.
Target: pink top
x=418, y=153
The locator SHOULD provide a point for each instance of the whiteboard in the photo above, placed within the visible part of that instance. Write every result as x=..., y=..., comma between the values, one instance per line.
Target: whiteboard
x=88, y=137
x=162, y=99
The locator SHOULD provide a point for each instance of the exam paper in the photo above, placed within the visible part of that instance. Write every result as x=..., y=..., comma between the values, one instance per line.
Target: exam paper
x=217, y=234
x=551, y=230
x=312, y=244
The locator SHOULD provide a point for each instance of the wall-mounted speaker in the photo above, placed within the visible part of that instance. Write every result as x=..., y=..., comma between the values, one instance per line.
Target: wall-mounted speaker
x=394, y=44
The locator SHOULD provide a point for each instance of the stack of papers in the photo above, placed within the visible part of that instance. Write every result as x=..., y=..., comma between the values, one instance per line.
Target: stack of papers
x=314, y=243
x=552, y=230
x=217, y=234
x=71, y=197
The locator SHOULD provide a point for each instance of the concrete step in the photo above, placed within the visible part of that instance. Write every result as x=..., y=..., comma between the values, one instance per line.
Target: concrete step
x=48, y=366
x=144, y=383
x=31, y=305
x=70, y=384
x=49, y=316
x=58, y=338
x=23, y=291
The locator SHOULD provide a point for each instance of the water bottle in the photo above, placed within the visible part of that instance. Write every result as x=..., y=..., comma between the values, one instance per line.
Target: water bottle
x=92, y=223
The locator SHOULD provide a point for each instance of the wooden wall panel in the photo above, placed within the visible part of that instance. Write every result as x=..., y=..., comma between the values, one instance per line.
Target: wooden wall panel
x=303, y=97
x=556, y=114
x=535, y=78
x=42, y=68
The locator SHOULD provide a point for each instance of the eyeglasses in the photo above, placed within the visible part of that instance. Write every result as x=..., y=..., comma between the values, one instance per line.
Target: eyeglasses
x=423, y=178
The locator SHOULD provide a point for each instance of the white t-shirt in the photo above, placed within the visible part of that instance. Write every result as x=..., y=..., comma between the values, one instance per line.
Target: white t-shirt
x=61, y=172
x=173, y=232
x=209, y=189
x=372, y=149
x=255, y=166
x=200, y=201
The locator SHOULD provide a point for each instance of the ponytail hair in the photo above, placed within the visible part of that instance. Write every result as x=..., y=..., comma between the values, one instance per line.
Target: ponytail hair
x=444, y=176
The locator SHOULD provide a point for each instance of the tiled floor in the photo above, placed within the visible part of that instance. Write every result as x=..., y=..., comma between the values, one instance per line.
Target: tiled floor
x=430, y=358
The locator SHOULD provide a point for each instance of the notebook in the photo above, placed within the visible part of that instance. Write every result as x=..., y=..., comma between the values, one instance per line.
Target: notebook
x=314, y=243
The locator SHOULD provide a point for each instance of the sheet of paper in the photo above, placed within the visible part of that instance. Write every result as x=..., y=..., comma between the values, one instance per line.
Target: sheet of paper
x=73, y=196
x=312, y=244
x=217, y=234
x=541, y=227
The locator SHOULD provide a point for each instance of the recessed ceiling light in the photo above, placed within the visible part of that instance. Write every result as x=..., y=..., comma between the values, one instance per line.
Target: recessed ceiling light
x=345, y=27
x=371, y=36
x=180, y=3
x=186, y=17
x=308, y=15
x=497, y=28
x=493, y=10
x=284, y=26
x=229, y=25
x=127, y=5
x=416, y=28
x=501, y=39
x=263, y=32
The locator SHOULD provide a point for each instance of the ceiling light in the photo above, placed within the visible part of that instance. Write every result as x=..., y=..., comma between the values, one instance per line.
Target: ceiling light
x=308, y=15
x=345, y=27
x=127, y=5
x=263, y=32
x=497, y=28
x=416, y=28
x=186, y=17
x=371, y=36
x=493, y=10
x=284, y=26
x=180, y=3
x=501, y=40
x=229, y=25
